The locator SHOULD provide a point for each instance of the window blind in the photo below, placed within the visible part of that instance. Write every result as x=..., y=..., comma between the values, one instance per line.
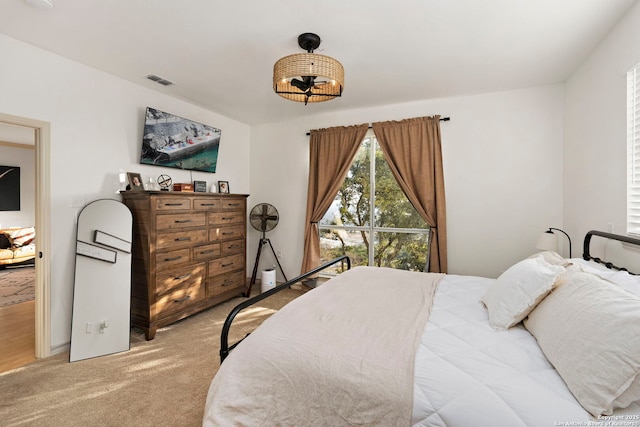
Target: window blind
x=633, y=150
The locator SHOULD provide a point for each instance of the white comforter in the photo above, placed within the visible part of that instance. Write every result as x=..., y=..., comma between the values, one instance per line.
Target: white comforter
x=468, y=374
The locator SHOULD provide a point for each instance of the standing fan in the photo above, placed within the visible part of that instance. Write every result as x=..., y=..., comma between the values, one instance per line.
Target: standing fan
x=264, y=217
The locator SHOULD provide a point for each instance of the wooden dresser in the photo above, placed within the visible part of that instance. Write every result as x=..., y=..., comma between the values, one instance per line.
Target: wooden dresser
x=188, y=254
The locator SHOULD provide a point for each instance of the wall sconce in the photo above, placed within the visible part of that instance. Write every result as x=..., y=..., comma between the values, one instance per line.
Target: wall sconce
x=548, y=241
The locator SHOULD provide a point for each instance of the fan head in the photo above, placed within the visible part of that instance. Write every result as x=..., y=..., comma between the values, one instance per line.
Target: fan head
x=264, y=217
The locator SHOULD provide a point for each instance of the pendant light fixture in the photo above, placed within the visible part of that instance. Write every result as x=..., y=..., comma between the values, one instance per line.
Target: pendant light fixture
x=308, y=77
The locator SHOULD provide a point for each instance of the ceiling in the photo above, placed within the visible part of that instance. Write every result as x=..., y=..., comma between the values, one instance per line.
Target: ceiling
x=220, y=54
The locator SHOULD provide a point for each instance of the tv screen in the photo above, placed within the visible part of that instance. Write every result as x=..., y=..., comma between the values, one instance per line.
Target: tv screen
x=176, y=142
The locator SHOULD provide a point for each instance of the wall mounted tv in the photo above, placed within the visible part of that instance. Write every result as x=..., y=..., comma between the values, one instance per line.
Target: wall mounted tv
x=176, y=142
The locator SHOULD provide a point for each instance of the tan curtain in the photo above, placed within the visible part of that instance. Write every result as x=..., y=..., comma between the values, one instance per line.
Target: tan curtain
x=330, y=155
x=413, y=150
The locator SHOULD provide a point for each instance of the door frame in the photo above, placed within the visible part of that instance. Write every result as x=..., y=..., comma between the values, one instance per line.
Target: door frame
x=42, y=135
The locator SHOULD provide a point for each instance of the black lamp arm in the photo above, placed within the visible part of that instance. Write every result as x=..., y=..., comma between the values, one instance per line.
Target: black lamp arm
x=551, y=228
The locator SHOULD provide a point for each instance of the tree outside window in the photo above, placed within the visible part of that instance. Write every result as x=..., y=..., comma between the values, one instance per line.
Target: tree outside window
x=371, y=219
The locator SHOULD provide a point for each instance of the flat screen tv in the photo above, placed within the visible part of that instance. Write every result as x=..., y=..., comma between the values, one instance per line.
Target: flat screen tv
x=175, y=142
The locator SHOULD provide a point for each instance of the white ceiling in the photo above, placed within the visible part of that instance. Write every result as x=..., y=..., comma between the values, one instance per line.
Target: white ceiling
x=220, y=53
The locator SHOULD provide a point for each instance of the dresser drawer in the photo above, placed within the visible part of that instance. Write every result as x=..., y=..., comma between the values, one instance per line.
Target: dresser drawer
x=206, y=252
x=167, y=259
x=180, y=238
x=233, y=204
x=224, y=218
x=180, y=203
x=232, y=247
x=173, y=221
x=219, y=284
x=226, y=264
x=179, y=299
x=226, y=233
x=207, y=204
x=179, y=278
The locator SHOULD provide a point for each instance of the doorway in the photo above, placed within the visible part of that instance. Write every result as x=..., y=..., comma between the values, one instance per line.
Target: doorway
x=40, y=132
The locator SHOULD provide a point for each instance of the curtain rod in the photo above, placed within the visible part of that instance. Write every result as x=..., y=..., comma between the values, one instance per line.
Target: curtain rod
x=443, y=119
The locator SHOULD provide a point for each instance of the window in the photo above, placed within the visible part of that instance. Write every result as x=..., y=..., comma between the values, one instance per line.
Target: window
x=371, y=220
x=633, y=150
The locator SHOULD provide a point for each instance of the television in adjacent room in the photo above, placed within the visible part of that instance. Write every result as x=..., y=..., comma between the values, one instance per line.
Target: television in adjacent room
x=175, y=142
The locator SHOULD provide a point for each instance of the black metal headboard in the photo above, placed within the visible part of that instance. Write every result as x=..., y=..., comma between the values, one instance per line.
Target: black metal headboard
x=625, y=239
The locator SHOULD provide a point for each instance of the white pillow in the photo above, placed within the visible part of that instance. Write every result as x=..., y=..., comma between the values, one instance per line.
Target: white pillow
x=518, y=290
x=588, y=329
x=552, y=258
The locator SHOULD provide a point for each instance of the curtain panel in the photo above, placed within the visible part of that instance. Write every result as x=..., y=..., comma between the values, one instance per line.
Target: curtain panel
x=330, y=155
x=413, y=150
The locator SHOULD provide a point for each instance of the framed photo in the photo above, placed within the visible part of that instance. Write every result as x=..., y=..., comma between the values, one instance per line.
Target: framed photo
x=135, y=182
x=200, y=186
x=223, y=187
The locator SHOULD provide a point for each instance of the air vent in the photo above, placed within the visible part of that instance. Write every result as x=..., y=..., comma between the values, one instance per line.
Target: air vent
x=160, y=80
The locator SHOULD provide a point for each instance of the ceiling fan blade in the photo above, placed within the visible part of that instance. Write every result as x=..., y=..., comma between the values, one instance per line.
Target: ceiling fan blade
x=299, y=84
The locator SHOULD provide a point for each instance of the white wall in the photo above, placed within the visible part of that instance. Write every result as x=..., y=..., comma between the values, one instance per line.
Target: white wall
x=25, y=159
x=596, y=133
x=96, y=130
x=503, y=174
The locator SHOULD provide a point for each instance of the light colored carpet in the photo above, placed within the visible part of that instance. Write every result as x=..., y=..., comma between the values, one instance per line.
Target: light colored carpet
x=17, y=284
x=162, y=382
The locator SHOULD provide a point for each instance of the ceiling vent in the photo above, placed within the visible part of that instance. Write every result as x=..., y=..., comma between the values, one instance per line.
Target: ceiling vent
x=159, y=80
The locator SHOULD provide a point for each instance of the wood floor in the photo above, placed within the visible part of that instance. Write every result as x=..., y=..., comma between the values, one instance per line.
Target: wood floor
x=17, y=335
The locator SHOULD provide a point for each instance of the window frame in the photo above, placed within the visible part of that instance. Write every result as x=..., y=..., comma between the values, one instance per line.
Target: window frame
x=372, y=228
x=633, y=151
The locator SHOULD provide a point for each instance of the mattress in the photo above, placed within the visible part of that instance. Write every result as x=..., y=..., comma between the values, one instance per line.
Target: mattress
x=467, y=373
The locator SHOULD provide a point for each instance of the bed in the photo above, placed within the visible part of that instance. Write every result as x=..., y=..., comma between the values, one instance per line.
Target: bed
x=551, y=342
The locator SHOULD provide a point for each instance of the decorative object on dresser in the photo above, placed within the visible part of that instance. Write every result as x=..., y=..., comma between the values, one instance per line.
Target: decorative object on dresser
x=164, y=181
x=135, y=182
x=182, y=187
x=200, y=186
x=223, y=186
x=188, y=254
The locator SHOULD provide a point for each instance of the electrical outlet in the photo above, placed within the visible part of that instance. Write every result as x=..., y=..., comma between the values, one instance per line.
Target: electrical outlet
x=279, y=254
x=89, y=327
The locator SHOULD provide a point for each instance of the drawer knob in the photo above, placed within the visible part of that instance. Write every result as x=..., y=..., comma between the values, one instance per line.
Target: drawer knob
x=184, y=276
x=172, y=259
x=173, y=204
x=181, y=221
x=183, y=239
x=183, y=299
x=227, y=283
x=227, y=265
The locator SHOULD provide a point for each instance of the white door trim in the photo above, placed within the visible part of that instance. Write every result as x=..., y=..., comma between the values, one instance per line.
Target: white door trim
x=43, y=227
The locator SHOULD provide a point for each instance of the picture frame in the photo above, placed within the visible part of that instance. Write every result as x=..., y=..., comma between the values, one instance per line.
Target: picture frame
x=223, y=187
x=200, y=186
x=9, y=188
x=135, y=182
